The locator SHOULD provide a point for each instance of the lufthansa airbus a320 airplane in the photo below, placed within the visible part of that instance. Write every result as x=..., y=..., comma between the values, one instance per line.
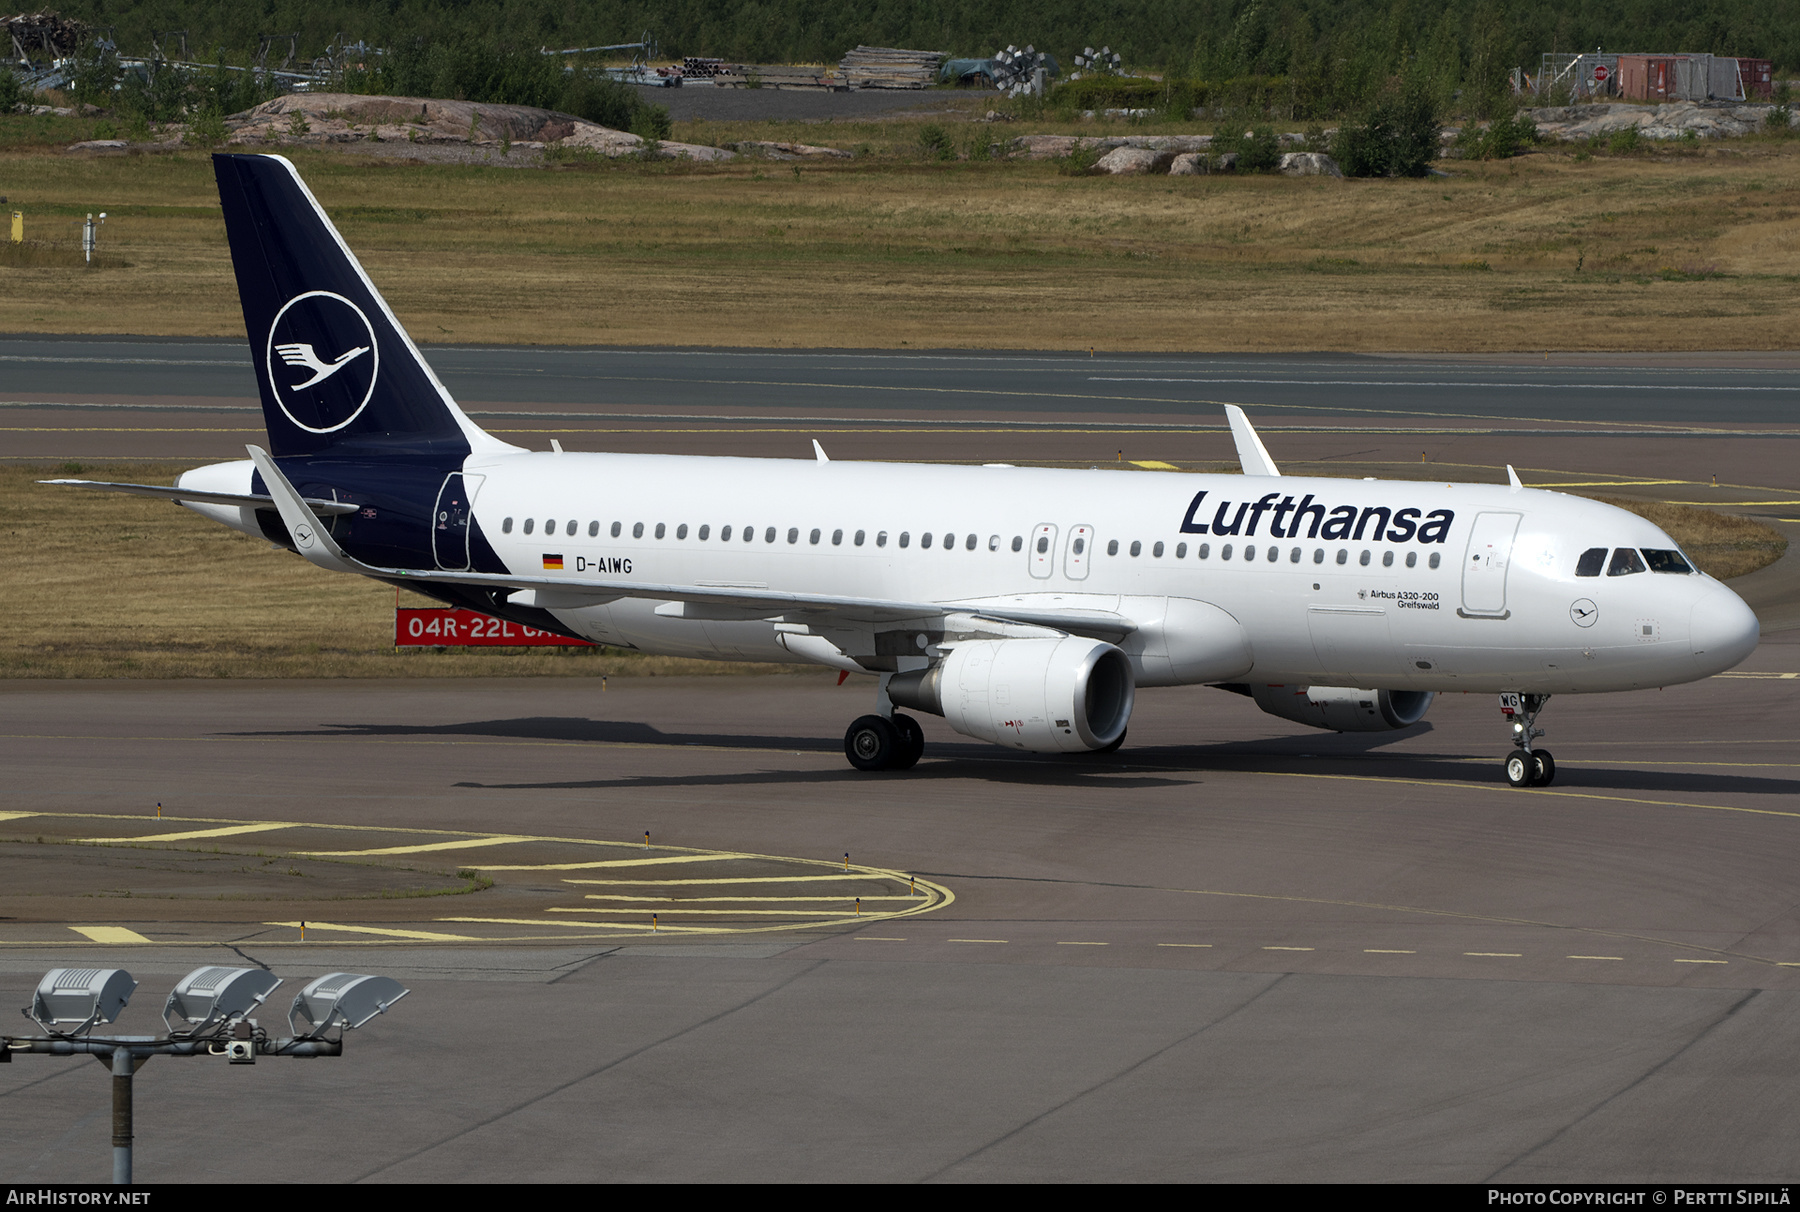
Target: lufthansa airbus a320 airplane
x=1024, y=605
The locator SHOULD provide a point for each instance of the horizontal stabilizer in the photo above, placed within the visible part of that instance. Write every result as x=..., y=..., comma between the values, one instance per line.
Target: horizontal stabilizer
x=178, y=495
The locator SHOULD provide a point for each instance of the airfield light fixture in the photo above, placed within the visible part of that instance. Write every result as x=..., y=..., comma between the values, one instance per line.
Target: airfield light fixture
x=79, y=996
x=213, y=1002
x=347, y=999
x=213, y=997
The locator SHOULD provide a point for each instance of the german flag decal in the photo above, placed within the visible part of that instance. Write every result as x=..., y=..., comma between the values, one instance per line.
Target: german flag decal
x=552, y=563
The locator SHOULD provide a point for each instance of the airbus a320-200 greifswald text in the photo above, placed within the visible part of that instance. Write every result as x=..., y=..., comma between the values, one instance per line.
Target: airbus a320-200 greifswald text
x=1026, y=606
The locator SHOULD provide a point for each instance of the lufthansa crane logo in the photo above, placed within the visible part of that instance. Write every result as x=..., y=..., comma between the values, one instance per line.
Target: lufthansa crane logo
x=322, y=360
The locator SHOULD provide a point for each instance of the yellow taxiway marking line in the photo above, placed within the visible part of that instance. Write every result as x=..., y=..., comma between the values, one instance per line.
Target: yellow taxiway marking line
x=1498, y=954
x=1595, y=957
x=422, y=848
x=13, y=816
x=110, y=934
x=1079, y=943
x=1757, y=675
x=1606, y=483
x=1701, y=961
x=425, y=935
x=739, y=900
x=876, y=938
x=684, y=858
x=740, y=879
x=1184, y=944
x=644, y=927
x=1287, y=948
x=1153, y=465
x=1386, y=951
x=187, y=836
x=839, y=912
x=1789, y=501
x=975, y=940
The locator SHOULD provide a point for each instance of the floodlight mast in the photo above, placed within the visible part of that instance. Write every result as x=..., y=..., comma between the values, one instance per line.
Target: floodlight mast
x=215, y=1002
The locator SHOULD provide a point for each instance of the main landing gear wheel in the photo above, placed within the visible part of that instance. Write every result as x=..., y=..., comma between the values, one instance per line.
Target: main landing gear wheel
x=912, y=743
x=1518, y=769
x=871, y=743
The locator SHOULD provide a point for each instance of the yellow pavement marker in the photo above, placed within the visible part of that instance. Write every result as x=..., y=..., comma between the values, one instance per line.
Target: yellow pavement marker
x=742, y=879
x=188, y=835
x=1287, y=948
x=739, y=900
x=714, y=912
x=976, y=940
x=110, y=934
x=877, y=938
x=1498, y=954
x=1697, y=961
x=1078, y=943
x=1595, y=957
x=1386, y=951
x=423, y=935
x=13, y=816
x=1184, y=944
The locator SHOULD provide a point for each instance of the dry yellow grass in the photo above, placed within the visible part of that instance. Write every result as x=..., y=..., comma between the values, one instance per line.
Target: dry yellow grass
x=1722, y=545
x=106, y=586
x=1675, y=250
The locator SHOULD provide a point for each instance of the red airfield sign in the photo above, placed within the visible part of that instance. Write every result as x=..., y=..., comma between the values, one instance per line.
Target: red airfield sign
x=452, y=626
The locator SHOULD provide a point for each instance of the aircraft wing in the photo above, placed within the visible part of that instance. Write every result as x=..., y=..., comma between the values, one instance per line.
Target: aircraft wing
x=178, y=495
x=572, y=592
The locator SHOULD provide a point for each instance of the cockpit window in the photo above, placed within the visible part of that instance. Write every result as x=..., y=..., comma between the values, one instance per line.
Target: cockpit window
x=1625, y=561
x=1592, y=561
x=1667, y=561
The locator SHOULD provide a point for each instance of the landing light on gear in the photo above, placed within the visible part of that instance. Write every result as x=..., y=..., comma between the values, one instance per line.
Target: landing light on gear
x=1525, y=766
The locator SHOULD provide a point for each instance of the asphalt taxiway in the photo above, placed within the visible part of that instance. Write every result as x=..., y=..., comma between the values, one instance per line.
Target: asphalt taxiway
x=1237, y=949
x=1233, y=951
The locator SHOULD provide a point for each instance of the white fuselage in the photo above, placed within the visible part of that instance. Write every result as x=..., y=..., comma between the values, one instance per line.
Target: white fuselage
x=1457, y=587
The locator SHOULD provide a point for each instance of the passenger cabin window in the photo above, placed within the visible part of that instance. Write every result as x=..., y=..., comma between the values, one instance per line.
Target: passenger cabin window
x=794, y=534
x=1591, y=562
x=1225, y=552
x=1018, y=543
x=724, y=534
x=1043, y=544
x=993, y=542
x=593, y=530
x=1204, y=551
x=1294, y=556
x=1112, y=546
x=1436, y=558
x=1318, y=555
x=924, y=540
x=1343, y=555
x=569, y=529
x=1181, y=551
x=1387, y=559
x=681, y=531
x=637, y=531
x=528, y=522
x=1667, y=561
x=881, y=538
x=506, y=526
x=769, y=535
x=1625, y=561
x=813, y=538
x=905, y=538
x=615, y=529
x=1365, y=559
x=704, y=533
x=969, y=543
x=1137, y=548
x=859, y=538
x=1412, y=558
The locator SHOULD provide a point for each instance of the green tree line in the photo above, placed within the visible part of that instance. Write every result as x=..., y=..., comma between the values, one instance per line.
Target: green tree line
x=1201, y=38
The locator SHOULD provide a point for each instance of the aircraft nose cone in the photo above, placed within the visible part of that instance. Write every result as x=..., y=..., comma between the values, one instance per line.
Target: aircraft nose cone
x=1724, y=631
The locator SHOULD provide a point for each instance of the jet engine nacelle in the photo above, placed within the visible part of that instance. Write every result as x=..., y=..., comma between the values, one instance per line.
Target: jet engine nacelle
x=1344, y=708
x=1048, y=696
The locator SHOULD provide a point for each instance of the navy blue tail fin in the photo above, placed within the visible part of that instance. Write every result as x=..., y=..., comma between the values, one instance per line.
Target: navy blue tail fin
x=336, y=371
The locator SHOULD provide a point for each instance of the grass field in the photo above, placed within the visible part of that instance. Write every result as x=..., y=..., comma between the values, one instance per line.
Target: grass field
x=100, y=585
x=1668, y=249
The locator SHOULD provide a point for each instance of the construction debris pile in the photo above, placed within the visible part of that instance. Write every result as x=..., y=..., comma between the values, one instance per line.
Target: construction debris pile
x=889, y=67
x=44, y=35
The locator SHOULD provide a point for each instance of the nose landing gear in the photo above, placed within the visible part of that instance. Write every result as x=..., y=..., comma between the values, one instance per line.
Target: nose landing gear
x=1526, y=766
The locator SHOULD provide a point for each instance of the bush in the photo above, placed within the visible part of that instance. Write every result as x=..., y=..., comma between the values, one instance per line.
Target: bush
x=1257, y=151
x=13, y=97
x=599, y=98
x=1624, y=141
x=1397, y=136
x=935, y=143
x=1503, y=138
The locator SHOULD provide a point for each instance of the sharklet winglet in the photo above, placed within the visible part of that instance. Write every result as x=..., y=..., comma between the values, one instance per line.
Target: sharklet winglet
x=1251, y=454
